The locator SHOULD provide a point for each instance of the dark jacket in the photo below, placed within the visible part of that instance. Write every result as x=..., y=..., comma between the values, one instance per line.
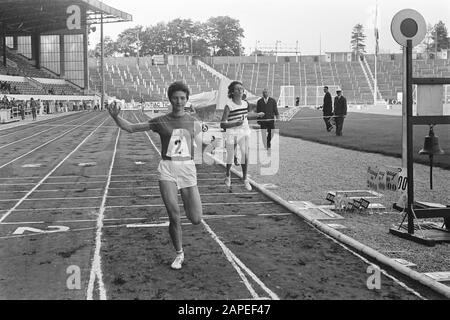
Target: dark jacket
x=340, y=106
x=270, y=109
x=327, y=105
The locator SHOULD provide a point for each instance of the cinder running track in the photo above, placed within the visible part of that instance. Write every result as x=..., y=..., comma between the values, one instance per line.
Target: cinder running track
x=78, y=194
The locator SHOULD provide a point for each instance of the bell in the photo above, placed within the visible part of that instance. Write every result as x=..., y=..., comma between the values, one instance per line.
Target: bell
x=431, y=147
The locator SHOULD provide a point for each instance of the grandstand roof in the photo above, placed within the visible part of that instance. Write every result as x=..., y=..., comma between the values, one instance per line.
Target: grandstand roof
x=26, y=16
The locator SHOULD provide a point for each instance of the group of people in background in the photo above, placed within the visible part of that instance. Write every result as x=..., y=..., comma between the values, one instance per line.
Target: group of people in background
x=20, y=108
x=5, y=87
x=336, y=115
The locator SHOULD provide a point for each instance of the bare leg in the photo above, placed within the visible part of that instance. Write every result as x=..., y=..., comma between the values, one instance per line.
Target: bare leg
x=192, y=204
x=245, y=151
x=169, y=194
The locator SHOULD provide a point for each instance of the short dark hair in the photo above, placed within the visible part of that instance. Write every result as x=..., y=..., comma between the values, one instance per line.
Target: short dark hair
x=177, y=86
x=231, y=88
x=326, y=87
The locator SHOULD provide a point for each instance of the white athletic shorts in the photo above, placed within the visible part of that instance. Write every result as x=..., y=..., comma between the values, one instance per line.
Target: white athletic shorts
x=182, y=173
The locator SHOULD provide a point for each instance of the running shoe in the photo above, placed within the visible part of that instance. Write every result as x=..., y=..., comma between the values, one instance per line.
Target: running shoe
x=247, y=185
x=178, y=262
x=228, y=182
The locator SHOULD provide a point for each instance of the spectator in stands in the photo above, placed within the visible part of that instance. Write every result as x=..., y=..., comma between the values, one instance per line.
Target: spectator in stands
x=33, y=106
x=340, y=111
x=269, y=107
x=235, y=121
x=327, y=108
x=179, y=132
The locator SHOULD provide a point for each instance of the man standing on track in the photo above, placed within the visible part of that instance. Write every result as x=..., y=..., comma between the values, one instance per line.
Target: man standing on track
x=340, y=111
x=269, y=107
x=327, y=108
x=33, y=106
x=179, y=133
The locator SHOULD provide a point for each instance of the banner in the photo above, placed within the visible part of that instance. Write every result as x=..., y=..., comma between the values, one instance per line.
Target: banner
x=386, y=178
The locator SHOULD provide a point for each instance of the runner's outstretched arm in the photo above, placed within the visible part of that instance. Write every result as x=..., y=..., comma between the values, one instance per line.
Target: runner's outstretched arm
x=124, y=124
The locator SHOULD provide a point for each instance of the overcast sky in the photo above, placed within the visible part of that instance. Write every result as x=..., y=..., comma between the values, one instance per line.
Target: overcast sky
x=315, y=24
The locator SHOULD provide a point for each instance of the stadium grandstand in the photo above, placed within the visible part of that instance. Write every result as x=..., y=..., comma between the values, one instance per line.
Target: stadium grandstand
x=44, y=51
x=146, y=81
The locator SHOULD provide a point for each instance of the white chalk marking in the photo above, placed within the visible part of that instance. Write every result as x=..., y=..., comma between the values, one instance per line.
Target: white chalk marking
x=96, y=269
x=22, y=230
x=237, y=264
x=150, y=225
x=87, y=164
x=33, y=165
x=102, y=176
x=97, y=182
x=119, y=197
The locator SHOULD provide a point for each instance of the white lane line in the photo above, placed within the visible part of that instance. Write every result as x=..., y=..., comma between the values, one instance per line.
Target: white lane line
x=96, y=189
x=119, y=197
x=37, y=125
x=96, y=268
x=96, y=182
x=205, y=217
x=140, y=206
x=68, y=221
x=101, y=176
x=40, y=132
x=230, y=256
x=233, y=262
x=49, y=174
x=44, y=144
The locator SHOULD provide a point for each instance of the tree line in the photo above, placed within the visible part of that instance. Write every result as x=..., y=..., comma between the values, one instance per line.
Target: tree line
x=436, y=39
x=221, y=36
x=218, y=36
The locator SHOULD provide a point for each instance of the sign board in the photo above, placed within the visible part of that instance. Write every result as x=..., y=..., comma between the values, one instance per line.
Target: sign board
x=158, y=59
x=383, y=178
x=430, y=100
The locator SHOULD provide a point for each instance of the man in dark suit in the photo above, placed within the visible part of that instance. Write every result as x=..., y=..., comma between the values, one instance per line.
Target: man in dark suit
x=269, y=106
x=340, y=111
x=327, y=108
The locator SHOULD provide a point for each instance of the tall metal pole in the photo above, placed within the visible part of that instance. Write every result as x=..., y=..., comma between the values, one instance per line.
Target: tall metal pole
x=138, y=46
x=4, y=44
x=376, y=56
x=102, y=63
x=320, y=44
x=409, y=136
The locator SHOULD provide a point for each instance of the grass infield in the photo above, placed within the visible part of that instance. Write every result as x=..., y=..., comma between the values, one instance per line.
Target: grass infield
x=368, y=133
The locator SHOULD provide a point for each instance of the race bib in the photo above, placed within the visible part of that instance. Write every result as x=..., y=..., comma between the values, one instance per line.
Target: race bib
x=178, y=145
